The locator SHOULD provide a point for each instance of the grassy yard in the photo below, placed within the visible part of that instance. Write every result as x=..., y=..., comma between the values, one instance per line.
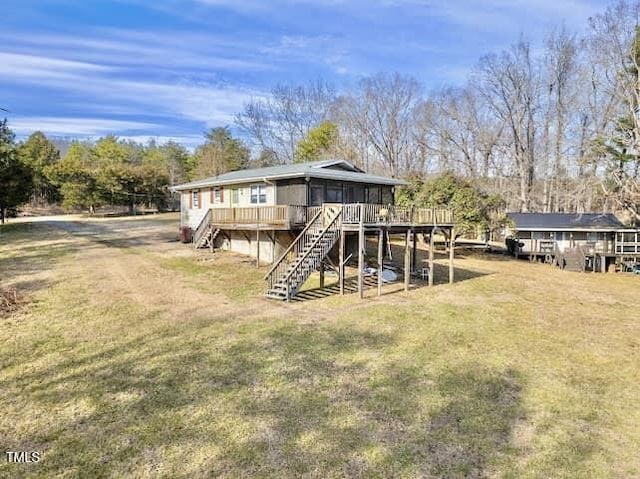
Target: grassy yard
x=136, y=357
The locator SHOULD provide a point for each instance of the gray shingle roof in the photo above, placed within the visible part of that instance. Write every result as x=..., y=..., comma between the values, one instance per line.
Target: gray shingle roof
x=317, y=169
x=585, y=221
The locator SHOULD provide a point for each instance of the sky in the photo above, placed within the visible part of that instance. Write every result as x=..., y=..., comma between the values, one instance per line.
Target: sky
x=172, y=69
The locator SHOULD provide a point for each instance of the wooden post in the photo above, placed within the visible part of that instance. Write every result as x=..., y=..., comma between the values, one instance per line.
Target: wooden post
x=258, y=246
x=451, y=254
x=380, y=260
x=407, y=262
x=603, y=263
x=414, y=261
x=341, y=265
x=258, y=237
x=432, y=244
x=321, y=274
x=361, y=244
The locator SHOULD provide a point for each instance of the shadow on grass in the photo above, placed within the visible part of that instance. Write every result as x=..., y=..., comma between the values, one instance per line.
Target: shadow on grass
x=25, y=258
x=283, y=400
x=371, y=282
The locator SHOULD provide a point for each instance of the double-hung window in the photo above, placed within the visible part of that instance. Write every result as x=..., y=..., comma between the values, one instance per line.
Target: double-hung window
x=258, y=194
x=195, y=195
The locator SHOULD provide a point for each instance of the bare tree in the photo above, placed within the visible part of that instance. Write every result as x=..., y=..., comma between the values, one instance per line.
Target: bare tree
x=511, y=86
x=382, y=111
x=615, y=47
x=276, y=124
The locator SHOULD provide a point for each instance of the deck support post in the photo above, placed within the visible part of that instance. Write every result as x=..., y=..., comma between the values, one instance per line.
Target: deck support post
x=451, y=254
x=414, y=255
x=361, y=246
x=341, y=263
x=432, y=244
x=380, y=259
x=407, y=261
x=322, y=274
x=258, y=246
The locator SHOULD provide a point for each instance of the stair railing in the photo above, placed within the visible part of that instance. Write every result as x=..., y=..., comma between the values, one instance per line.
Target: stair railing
x=331, y=225
x=582, y=257
x=558, y=256
x=280, y=266
x=202, y=229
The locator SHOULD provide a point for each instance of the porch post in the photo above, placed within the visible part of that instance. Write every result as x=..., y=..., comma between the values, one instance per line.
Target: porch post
x=258, y=237
x=341, y=264
x=322, y=274
x=361, y=245
x=451, y=254
x=380, y=260
x=432, y=243
x=407, y=261
x=414, y=255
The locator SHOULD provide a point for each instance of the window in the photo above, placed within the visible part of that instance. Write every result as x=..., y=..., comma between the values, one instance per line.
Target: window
x=195, y=199
x=317, y=195
x=592, y=237
x=258, y=194
x=218, y=195
x=334, y=193
x=373, y=195
x=538, y=235
x=234, y=196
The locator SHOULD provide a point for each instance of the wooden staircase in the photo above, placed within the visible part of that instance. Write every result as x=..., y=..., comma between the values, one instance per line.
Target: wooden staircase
x=205, y=235
x=305, y=254
x=574, y=259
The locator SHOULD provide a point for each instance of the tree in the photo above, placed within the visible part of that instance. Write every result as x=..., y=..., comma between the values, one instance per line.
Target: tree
x=382, y=111
x=16, y=179
x=615, y=48
x=319, y=143
x=276, y=124
x=38, y=153
x=511, y=86
x=473, y=209
x=76, y=177
x=220, y=154
x=117, y=171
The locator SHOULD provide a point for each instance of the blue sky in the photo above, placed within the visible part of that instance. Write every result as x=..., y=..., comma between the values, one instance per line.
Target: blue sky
x=171, y=69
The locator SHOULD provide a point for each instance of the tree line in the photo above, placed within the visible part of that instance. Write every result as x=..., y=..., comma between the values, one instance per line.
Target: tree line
x=108, y=172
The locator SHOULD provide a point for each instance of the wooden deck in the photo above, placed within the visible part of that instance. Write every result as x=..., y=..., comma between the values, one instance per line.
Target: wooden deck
x=354, y=216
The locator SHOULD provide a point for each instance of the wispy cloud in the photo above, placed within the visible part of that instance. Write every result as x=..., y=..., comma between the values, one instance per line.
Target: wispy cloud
x=39, y=67
x=61, y=126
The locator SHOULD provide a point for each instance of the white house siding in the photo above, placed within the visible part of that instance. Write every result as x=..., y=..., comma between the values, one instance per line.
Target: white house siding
x=192, y=216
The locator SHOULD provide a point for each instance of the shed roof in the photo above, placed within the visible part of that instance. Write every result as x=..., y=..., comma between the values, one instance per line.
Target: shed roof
x=339, y=170
x=567, y=221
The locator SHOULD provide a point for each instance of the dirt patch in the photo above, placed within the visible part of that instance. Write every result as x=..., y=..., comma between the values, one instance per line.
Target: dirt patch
x=11, y=301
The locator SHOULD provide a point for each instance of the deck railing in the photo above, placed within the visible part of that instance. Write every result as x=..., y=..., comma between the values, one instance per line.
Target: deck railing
x=278, y=215
x=352, y=213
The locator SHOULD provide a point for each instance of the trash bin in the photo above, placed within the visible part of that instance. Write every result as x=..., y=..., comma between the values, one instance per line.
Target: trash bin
x=185, y=234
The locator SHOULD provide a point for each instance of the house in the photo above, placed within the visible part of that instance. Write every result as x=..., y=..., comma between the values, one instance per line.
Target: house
x=580, y=241
x=296, y=216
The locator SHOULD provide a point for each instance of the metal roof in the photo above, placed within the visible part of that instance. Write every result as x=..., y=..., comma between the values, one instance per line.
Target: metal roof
x=568, y=221
x=317, y=169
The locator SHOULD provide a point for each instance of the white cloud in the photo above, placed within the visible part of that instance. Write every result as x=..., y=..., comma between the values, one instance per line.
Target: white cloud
x=36, y=66
x=209, y=103
x=63, y=126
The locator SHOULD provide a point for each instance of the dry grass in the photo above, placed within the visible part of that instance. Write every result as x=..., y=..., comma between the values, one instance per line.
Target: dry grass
x=139, y=358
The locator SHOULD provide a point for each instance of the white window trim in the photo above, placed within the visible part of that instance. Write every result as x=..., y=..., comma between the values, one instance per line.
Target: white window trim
x=259, y=187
